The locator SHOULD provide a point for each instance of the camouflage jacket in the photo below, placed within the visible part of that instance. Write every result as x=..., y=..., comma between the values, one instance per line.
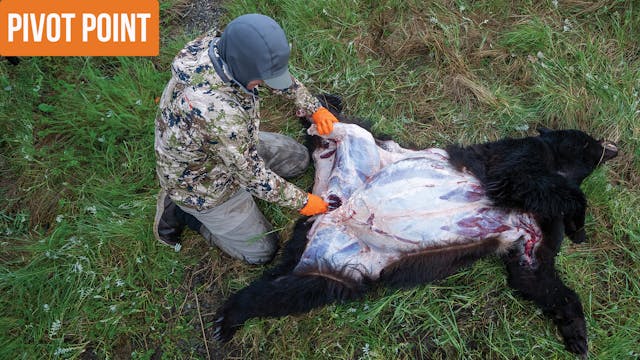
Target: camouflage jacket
x=206, y=136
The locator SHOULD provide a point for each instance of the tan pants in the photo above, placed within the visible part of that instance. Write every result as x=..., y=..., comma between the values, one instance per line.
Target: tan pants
x=238, y=227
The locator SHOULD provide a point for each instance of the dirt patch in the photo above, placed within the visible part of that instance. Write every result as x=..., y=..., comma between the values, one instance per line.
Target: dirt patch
x=199, y=16
x=205, y=288
x=204, y=297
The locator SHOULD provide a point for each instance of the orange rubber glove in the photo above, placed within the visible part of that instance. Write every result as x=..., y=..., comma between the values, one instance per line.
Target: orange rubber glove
x=315, y=205
x=324, y=120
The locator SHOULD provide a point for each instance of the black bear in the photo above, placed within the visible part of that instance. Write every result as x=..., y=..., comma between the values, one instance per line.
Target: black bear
x=539, y=174
x=534, y=179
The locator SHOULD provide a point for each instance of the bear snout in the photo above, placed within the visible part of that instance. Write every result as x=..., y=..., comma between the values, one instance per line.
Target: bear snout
x=610, y=150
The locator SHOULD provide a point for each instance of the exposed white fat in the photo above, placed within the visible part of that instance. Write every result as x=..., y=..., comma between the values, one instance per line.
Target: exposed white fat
x=396, y=202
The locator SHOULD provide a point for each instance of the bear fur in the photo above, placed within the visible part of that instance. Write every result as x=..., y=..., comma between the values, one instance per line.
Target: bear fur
x=540, y=175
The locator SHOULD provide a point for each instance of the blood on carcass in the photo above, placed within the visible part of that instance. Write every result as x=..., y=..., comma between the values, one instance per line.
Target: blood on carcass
x=389, y=202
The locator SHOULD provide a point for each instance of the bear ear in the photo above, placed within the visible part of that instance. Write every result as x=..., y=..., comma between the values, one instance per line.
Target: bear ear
x=543, y=130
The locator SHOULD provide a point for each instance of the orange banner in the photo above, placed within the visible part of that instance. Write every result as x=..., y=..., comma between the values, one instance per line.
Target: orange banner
x=79, y=28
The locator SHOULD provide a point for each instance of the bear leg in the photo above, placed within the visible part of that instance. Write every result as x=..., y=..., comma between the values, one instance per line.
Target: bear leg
x=574, y=228
x=284, y=295
x=541, y=284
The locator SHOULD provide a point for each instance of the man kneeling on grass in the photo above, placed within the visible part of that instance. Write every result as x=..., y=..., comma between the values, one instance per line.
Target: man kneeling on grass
x=211, y=157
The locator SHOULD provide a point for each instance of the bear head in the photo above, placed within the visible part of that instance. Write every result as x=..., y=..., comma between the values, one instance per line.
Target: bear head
x=577, y=154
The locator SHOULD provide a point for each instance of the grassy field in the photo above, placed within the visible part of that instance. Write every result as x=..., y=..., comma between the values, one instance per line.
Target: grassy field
x=82, y=277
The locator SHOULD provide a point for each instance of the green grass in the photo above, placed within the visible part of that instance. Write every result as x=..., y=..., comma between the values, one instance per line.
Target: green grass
x=81, y=274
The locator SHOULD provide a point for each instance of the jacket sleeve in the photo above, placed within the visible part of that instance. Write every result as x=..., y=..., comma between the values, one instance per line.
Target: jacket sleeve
x=238, y=150
x=301, y=97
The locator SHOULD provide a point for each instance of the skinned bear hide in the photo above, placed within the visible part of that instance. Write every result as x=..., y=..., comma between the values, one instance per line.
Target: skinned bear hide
x=398, y=202
x=410, y=217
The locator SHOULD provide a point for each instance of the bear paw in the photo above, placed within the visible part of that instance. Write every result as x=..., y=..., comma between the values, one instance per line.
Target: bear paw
x=223, y=331
x=574, y=333
x=578, y=237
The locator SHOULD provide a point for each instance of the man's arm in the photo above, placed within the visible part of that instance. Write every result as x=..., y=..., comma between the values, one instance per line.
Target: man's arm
x=309, y=106
x=302, y=98
x=237, y=149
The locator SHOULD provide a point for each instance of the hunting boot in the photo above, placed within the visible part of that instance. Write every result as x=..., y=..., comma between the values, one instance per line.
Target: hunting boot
x=170, y=220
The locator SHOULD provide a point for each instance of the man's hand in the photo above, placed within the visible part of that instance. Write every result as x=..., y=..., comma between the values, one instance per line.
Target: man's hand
x=315, y=205
x=324, y=120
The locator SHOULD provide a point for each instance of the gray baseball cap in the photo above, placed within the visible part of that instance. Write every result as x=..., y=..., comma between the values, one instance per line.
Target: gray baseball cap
x=254, y=47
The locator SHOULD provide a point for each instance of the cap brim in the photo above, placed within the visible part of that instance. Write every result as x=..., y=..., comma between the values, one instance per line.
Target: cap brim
x=280, y=82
